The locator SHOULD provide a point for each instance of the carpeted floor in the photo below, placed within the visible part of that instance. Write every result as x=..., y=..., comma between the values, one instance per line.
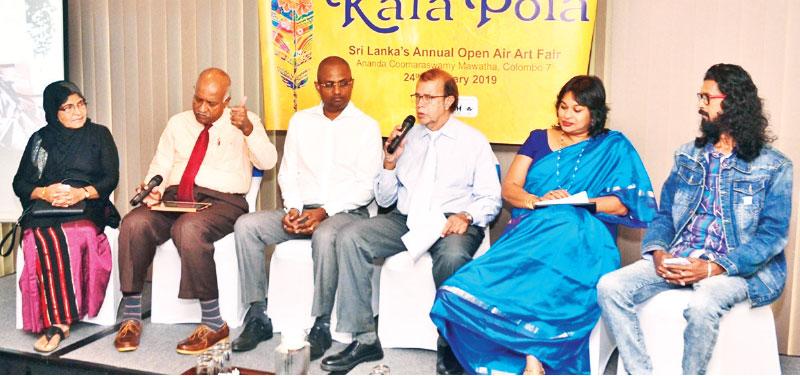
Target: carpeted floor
x=94, y=344
x=157, y=351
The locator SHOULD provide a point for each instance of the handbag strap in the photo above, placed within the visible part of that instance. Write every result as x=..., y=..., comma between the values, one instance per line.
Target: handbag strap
x=12, y=235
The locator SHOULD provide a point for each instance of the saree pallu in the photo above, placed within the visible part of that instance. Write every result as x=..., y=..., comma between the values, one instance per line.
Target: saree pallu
x=534, y=291
x=66, y=272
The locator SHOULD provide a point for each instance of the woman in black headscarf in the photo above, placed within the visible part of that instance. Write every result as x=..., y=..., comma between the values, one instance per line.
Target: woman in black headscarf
x=68, y=171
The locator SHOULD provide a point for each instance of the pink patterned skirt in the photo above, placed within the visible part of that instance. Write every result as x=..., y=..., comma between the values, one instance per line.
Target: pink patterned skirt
x=66, y=273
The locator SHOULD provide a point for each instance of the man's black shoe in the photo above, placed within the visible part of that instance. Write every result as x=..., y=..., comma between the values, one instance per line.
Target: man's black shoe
x=255, y=331
x=320, y=340
x=354, y=354
x=446, y=361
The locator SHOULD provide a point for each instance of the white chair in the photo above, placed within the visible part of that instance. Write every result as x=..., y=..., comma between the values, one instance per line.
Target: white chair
x=108, y=312
x=746, y=344
x=291, y=286
x=167, y=308
x=407, y=292
x=601, y=346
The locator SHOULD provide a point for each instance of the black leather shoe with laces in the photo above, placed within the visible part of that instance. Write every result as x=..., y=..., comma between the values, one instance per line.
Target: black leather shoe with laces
x=320, y=340
x=255, y=331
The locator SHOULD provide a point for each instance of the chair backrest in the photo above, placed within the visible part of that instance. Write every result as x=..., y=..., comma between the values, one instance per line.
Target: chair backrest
x=255, y=186
x=487, y=242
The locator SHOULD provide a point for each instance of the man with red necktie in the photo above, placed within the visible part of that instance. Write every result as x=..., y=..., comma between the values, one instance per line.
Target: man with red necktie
x=205, y=155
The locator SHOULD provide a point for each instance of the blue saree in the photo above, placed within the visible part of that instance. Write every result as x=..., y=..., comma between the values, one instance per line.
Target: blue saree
x=534, y=291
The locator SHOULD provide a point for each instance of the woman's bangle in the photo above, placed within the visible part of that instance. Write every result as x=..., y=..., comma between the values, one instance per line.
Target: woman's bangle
x=708, y=265
x=85, y=193
x=44, y=192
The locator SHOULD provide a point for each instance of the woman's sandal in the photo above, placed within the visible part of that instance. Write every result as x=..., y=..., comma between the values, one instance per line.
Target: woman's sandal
x=51, y=339
x=537, y=368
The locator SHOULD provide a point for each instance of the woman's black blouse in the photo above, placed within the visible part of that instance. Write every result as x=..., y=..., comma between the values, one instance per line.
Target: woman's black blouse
x=78, y=157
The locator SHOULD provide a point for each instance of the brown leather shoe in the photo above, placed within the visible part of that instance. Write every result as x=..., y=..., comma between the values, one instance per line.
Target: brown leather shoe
x=130, y=331
x=202, y=339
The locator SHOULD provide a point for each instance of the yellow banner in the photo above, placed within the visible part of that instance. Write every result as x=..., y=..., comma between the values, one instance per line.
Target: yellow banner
x=510, y=57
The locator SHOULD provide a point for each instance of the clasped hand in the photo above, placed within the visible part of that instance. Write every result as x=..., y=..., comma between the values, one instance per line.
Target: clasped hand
x=62, y=195
x=305, y=223
x=683, y=275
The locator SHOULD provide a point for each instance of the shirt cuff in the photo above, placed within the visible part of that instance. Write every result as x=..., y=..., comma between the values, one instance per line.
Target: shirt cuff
x=289, y=205
x=648, y=249
x=332, y=209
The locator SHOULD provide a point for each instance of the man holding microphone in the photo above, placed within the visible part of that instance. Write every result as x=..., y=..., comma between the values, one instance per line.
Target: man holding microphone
x=204, y=155
x=443, y=180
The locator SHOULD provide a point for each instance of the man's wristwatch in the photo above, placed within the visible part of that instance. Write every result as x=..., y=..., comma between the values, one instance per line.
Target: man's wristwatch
x=467, y=216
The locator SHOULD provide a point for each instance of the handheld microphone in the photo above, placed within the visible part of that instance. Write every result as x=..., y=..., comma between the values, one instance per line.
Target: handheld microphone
x=408, y=123
x=154, y=182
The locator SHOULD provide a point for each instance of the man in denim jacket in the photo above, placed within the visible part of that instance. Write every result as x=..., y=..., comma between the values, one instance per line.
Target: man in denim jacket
x=721, y=228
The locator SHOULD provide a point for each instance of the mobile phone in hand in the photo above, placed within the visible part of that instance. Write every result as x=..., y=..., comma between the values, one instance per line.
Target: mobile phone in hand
x=676, y=261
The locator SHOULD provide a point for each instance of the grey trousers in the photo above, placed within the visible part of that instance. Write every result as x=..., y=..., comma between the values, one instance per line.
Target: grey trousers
x=378, y=237
x=255, y=231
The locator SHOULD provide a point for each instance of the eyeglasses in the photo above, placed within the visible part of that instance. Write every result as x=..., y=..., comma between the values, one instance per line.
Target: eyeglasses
x=72, y=107
x=424, y=98
x=341, y=84
x=706, y=99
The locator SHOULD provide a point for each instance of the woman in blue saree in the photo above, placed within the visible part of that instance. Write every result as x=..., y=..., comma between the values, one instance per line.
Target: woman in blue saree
x=530, y=303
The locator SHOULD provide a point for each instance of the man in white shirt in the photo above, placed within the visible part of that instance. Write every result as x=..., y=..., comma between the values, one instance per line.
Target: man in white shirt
x=443, y=178
x=331, y=157
x=204, y=155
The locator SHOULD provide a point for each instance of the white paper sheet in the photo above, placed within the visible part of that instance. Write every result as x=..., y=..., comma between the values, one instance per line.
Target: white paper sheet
x=578, y=198
x=424, y=230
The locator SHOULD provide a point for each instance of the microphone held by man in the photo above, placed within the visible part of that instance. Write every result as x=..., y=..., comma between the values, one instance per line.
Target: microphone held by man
x=408, y=123
x=143, y=191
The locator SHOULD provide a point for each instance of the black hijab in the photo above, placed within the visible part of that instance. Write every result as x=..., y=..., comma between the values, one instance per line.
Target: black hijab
x=60, y=141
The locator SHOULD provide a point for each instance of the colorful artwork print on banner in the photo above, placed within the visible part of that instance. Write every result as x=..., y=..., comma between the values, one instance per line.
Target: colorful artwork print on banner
x=509, y=57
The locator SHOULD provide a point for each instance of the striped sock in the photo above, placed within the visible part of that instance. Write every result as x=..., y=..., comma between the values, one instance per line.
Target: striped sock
x=210, y=314
x=132, y=307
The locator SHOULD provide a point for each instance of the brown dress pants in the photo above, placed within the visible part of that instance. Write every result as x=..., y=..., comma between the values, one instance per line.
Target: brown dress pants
x=194, y=235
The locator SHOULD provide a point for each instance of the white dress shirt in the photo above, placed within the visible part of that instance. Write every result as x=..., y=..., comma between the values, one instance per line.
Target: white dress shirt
x=466, y=177
x=228, y=164
x=327, y=162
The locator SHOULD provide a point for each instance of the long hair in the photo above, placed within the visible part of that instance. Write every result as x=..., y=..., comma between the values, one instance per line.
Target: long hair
x=742, y=112
x=589, y=92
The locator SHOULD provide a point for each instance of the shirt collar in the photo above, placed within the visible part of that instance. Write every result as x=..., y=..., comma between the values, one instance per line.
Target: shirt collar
x=449, y=129
x=725, y=160
x=349, y=110
x=709, y=151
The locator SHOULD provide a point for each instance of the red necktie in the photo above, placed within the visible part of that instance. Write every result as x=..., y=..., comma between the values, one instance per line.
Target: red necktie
x=186, y=188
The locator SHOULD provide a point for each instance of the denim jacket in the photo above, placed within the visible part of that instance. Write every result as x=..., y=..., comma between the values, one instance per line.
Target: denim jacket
x=756, y=202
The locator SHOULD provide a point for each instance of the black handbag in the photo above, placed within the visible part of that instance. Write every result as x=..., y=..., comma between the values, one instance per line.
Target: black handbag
x=41, y=208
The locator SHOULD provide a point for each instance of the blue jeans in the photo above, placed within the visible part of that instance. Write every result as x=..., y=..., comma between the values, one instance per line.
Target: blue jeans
x=619, y=292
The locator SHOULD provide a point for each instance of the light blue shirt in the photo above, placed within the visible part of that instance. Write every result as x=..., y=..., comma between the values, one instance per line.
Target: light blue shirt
x=466, y=172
